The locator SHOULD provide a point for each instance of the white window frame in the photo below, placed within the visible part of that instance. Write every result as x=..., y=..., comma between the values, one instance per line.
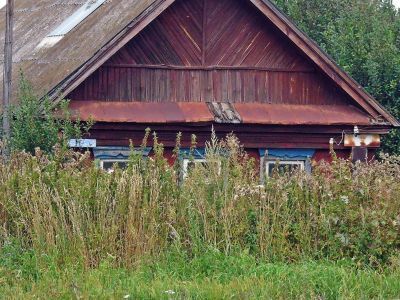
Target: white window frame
x=269, y=162
x=113, y=161
x=187, y=161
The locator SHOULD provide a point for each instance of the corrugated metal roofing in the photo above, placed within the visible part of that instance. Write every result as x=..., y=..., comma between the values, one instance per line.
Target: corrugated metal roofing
x=140, y=112
x=281, y=114
x=35, y=19
x=194, y=112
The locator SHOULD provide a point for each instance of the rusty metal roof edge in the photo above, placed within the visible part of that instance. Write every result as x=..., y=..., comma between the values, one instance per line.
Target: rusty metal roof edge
x=197, y=112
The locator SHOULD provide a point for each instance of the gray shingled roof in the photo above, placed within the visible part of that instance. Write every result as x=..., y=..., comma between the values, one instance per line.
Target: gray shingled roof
x=34, y=19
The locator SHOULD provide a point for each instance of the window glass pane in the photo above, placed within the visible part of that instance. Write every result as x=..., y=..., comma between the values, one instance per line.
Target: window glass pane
x=109, y=165
x=192, y=164
x=284, y=167
x=189, y=165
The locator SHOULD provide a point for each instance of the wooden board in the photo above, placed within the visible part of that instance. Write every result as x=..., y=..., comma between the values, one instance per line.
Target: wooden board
x=210, y=51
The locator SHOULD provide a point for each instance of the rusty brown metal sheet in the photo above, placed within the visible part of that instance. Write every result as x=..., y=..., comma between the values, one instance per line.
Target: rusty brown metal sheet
x=363, y=140
x=277, y=114
x=137, y=112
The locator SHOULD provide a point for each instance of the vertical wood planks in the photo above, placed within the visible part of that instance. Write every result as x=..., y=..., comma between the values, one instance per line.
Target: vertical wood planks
x=210, y=50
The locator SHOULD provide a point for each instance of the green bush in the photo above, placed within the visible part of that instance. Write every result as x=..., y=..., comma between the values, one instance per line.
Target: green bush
x=39, y=123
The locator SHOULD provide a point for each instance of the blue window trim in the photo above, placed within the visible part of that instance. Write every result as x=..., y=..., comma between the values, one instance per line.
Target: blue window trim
x=198, y=153
x=288, y=154
x=117, y=153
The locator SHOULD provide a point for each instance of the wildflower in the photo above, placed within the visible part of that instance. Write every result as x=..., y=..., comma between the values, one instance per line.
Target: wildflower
x=343, y=238
x=127, y=296
x=169, y=292
x=345, y=199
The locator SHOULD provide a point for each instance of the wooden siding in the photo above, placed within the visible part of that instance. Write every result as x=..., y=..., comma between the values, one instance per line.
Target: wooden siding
x=158, y=85
x=210, y=50
x=251, y=136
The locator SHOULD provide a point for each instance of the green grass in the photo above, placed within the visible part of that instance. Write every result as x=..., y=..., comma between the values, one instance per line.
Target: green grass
x=211, y=275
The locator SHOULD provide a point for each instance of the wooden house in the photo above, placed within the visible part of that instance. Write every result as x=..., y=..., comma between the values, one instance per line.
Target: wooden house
x=189, y=65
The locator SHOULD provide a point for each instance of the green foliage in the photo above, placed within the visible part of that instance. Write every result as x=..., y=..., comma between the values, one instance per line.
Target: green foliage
x=37, y=123
x=211, y=275
x=363, y=37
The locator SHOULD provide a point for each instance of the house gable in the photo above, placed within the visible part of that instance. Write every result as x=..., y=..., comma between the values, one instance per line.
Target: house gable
x=211, y=51
x=352, y=90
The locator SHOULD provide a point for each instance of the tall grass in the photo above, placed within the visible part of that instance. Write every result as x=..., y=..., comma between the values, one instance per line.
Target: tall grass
x=65, y=206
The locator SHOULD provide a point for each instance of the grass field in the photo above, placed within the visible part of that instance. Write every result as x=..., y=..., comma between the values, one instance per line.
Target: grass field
x=211, y=275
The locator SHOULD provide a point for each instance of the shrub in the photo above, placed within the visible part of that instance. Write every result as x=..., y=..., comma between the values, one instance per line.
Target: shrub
x=37, y=122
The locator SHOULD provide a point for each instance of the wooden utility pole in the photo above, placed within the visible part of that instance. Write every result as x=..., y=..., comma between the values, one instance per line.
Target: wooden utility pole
x=8, y=46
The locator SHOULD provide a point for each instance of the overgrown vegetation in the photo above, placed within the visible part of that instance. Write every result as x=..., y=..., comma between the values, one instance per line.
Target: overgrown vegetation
x=68, y=207
x=39, y=123
x=363, y=37
x=66, y=223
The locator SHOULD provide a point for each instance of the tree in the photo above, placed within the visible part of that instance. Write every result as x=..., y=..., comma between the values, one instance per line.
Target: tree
x=37, y=122
x=363, y=37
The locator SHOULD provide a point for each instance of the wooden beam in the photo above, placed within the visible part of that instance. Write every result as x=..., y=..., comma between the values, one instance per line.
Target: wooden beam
x=208, y=68
x=8, y=46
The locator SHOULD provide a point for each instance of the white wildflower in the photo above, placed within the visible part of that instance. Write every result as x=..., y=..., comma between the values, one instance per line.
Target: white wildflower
x=169, y=292
x=345, y=199
x=127, y=296
x=343, y=238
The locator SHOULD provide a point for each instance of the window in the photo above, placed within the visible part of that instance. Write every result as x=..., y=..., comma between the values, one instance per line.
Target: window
x=110, y=155
x=108, y=164
x=281, y=167
x=285, y=160
x=70, y=23
x=190, y=164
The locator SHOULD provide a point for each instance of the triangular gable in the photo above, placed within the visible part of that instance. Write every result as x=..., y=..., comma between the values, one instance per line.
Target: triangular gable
x=310, y=49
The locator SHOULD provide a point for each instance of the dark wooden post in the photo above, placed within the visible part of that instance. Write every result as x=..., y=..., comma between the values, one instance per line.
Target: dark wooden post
x=8, y=45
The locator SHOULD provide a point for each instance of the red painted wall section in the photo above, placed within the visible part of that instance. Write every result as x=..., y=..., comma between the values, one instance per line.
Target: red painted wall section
x=324, y=155
x=319, y=156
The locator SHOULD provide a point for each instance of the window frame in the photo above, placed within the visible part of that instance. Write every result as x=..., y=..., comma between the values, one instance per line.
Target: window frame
x=269, y=161
x=113, y=161
x=187, y=161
